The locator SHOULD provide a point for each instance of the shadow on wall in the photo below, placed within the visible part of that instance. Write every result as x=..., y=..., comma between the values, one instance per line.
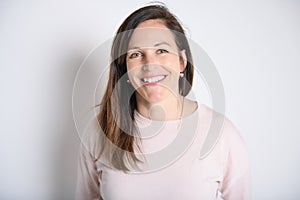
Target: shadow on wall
x=65, y=156
x=89, y=81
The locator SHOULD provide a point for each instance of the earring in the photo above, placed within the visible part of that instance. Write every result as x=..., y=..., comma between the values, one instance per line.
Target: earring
x=128, y=81
x=181, y=74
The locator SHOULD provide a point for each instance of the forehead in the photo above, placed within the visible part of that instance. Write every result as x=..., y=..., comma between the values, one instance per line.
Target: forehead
x=151, y=32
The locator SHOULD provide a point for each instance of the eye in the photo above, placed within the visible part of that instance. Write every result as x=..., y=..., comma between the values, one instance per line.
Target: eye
x=162, y=51
x=135, y=55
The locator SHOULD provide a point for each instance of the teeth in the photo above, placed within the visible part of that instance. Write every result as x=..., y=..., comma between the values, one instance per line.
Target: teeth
x=153, y=79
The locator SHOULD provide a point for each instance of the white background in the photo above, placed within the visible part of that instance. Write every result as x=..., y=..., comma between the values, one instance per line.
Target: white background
x=255, y=46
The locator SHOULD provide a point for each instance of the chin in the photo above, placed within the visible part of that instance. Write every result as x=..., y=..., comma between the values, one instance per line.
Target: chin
x=151, y=98
x=155, y=96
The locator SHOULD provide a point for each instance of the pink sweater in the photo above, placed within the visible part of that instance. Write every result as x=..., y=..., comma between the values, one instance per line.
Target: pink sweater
x=184, y=163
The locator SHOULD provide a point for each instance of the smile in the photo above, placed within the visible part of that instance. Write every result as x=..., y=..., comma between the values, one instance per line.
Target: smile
x=153, y=79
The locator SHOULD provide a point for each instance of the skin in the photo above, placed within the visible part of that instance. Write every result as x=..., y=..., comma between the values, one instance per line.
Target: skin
x=154, y=63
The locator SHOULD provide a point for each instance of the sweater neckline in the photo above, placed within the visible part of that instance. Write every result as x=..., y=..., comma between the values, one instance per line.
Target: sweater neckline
x=142, y=121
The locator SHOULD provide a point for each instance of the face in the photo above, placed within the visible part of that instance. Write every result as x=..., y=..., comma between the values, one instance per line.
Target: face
x=154, y=62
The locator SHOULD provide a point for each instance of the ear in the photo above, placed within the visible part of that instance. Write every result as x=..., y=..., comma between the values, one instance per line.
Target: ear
x=183, y=60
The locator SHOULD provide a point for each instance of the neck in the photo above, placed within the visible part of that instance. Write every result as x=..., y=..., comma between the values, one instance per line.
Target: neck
x=168, y=109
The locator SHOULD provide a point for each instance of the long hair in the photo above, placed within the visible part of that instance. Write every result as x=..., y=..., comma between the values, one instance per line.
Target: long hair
x=116, y=116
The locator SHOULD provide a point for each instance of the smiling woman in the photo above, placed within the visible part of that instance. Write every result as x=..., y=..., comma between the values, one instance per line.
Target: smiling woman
x=153, y=66
x=151, y=134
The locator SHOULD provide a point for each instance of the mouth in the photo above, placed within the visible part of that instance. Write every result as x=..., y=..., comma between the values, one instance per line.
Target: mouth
x=153, y=79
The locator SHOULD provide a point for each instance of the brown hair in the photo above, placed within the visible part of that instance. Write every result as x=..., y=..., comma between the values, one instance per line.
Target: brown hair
x=117, y=107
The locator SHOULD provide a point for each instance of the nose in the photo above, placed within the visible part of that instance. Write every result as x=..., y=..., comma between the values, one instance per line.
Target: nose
x=149, y=60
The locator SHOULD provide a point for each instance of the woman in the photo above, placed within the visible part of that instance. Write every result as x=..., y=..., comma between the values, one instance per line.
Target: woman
x=151, y=134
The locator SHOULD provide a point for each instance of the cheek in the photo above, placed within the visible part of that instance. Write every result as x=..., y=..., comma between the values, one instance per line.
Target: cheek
x=172, y=63
x=133, y=73
x=129, y=66
x=133, y=65
x=131, y=69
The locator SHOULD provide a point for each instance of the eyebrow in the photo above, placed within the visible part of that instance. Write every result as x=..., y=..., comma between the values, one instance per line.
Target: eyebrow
x=158, y=44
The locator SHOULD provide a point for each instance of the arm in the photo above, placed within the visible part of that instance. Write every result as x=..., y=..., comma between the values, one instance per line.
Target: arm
x=236, y=174
x=88, y=186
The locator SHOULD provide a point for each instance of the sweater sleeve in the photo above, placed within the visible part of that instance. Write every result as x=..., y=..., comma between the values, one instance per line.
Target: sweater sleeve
x=236, y=173
x=88, y=186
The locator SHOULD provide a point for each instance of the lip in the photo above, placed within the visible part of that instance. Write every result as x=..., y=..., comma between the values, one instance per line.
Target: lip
x=153, y=83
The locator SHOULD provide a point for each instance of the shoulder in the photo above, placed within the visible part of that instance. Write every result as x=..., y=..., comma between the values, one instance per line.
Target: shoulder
x=219, y=131
x=218, y=121
x=91, y=136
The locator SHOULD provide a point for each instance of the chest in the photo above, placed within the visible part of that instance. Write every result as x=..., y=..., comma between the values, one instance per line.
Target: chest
x=189, y=180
